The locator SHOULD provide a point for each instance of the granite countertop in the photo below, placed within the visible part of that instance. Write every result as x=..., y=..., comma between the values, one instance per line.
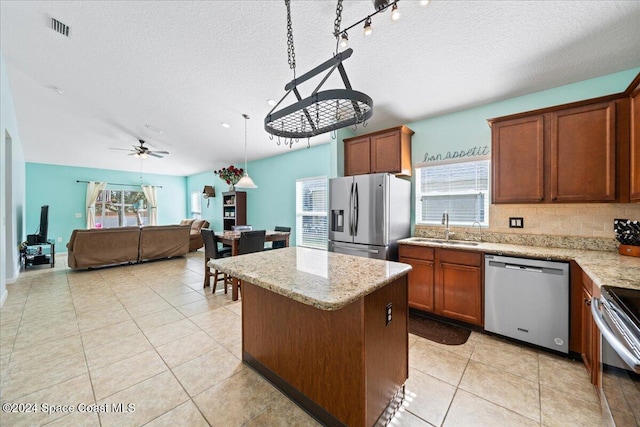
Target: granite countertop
x=322, y=279
x=603, y=267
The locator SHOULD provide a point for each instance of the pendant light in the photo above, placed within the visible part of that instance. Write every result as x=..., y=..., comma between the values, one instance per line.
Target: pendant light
x=245, y=181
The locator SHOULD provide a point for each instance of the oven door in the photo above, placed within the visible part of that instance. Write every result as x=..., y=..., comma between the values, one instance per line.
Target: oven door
x=620, y=366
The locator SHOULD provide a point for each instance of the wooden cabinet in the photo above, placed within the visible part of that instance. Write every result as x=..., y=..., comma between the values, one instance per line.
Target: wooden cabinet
x=635, y=140
x=590, y=345
x=458, y=285
x=445, y=282
x=388, y=150
x=565, y=155
x=234, y=209
x=518, y=160
x=421, y=277
x=583, y=153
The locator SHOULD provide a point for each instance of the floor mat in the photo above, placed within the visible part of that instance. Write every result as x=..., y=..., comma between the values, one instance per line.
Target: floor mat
x=436, y=331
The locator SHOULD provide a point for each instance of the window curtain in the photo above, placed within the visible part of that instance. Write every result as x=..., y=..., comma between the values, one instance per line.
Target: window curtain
x=93, y=191
x=151, y=193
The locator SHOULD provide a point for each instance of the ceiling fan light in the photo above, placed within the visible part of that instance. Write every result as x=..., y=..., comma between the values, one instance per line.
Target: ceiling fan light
x=424, y=2
x=144, y=155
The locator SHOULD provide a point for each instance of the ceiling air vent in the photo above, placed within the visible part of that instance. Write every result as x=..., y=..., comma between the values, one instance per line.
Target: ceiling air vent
x=59, y=27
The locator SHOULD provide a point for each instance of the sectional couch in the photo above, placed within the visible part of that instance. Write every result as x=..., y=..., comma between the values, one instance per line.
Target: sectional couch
x=126, y=245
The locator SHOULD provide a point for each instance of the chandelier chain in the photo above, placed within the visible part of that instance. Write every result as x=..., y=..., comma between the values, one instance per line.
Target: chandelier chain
x=338, y=21
x=290, y=49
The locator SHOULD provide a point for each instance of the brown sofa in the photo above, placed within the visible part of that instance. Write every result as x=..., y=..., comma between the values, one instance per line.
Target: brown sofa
x=195, y=239
x=112, y=246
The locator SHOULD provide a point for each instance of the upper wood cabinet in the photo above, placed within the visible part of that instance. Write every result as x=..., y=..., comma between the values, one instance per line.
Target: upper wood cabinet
x=583, y=154
x=565, y=155
x=635, y=141
x=388, y=150
x=518, y=160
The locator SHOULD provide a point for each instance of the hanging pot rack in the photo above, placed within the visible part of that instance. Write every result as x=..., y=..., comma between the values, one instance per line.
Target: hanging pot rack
x=322, y=111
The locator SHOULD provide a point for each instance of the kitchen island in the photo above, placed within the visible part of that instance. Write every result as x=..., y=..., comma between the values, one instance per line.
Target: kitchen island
x=329, y=330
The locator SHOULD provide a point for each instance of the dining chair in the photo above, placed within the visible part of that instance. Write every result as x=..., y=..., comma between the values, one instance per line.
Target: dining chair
x=211, y=251
x=251, y=241
x=241, y=227
x=278, y=244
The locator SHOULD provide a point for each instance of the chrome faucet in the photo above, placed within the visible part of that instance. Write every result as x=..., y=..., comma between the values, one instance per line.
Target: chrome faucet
x=445, y=222
x=479, y=228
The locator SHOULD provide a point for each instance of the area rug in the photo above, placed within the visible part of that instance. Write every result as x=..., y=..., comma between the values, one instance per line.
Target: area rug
x=436, y=331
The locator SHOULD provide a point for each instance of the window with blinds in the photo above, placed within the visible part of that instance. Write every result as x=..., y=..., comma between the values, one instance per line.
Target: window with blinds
x=461, y=189
x=311, y=212
x=196, y=205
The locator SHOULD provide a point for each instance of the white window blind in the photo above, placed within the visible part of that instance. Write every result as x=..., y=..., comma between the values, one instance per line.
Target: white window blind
x=461, y=189
x=311, y=212
x=196, y=205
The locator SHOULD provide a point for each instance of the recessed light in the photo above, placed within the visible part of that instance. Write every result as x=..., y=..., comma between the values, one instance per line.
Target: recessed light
x=225, y=125
x=271, y=102
x=153, y=128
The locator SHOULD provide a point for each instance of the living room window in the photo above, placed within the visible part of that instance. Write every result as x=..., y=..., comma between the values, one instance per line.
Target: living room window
x=121, y=208
x=196, y=205
x=311, y=212
x=461, y=189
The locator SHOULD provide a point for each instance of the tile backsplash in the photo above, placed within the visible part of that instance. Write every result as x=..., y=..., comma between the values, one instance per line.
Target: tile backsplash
x=567, y=219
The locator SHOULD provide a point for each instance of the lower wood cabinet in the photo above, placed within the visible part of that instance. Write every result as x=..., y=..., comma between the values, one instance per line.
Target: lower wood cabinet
x=590, y=343
x=445, y=282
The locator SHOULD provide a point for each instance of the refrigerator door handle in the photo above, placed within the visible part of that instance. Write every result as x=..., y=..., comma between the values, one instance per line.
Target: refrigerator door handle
x=356, y=210
x=350, y=211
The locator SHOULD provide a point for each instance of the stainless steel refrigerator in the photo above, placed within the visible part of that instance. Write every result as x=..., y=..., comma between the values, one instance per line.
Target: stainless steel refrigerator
x=368, y=214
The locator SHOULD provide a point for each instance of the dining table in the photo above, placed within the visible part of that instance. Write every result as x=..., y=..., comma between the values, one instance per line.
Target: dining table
x=232, y=238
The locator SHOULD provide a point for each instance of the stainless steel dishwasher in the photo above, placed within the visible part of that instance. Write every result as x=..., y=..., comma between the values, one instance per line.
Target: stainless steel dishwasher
x=528, y=300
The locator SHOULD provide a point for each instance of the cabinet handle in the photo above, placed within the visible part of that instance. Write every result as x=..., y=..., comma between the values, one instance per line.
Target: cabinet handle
x=554, y=198
x=587, y=301
x=541, y=199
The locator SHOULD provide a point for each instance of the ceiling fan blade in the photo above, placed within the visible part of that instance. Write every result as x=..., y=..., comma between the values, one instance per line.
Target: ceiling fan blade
x=132, y=154
x=154, y=154
x=160, y=152
x=121, y=149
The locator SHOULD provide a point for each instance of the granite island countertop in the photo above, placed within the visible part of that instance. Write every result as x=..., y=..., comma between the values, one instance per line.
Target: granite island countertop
x=322, y=279
x=603, y=267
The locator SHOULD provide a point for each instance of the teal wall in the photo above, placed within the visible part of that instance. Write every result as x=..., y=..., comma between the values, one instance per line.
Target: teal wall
x=468, y=128
x=56, y=186
x=196, y=183
x=274, y=201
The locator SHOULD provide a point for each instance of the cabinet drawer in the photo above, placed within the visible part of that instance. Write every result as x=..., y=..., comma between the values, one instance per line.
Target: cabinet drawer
x=460, y=257
x=416, y=252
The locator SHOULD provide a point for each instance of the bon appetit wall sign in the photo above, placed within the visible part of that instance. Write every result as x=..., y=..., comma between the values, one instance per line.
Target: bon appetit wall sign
x=478, y=151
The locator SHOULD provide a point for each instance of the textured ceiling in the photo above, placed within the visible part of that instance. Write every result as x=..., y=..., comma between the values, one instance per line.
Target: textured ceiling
x=186, y=67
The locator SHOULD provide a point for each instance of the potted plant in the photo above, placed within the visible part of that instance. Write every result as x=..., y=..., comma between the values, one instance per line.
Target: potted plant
x=231, y=175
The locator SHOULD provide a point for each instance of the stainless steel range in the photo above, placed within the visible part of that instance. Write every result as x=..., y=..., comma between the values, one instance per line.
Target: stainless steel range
x=617, y=314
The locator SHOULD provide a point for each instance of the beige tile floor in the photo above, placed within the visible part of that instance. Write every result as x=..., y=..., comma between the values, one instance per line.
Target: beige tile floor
x=149, y=335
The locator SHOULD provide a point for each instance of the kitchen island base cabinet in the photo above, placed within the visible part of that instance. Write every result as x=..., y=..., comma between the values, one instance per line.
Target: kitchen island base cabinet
x=344, y=367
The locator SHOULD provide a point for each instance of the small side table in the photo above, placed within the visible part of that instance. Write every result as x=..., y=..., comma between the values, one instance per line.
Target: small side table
x=39, y=254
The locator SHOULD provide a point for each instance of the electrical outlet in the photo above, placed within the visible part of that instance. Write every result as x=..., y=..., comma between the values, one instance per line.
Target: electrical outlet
x=516, y=222
x=59, y=239
x=388, y=314
x=78, y=215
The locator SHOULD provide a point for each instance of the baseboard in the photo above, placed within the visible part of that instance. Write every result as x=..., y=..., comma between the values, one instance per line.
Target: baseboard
x=3, y=298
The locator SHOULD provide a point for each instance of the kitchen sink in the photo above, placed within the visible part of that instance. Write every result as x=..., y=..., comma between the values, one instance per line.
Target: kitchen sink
x=445, y=242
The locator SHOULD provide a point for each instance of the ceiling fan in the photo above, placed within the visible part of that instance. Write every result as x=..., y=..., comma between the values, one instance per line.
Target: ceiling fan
x=142, y=151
